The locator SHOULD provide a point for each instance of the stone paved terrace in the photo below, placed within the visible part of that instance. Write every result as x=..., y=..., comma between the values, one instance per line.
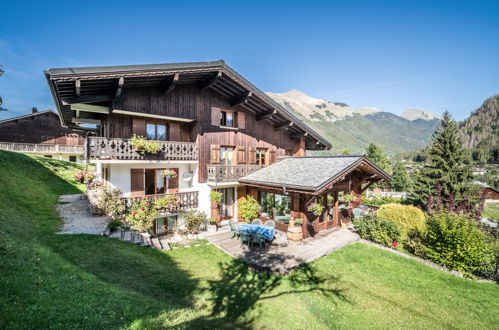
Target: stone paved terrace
x=281, y=257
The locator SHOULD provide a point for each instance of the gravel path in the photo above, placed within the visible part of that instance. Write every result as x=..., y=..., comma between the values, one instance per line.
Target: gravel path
x=76, y=218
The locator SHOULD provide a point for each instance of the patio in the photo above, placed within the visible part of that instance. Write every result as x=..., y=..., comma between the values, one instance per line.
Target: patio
x=280, y=257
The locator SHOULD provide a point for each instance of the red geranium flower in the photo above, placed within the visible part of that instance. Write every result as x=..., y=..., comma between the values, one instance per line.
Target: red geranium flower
x=142, y=209
x=395, y=244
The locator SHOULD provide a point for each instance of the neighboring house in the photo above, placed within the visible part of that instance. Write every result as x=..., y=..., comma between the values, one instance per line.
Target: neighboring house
x=217, y=131
x=40, y=133
x=488, y=192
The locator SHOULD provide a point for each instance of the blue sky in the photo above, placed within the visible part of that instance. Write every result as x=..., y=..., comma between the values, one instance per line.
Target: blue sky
x=392, y=55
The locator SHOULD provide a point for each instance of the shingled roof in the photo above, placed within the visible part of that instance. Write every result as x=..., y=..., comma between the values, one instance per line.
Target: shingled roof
x=309, y=173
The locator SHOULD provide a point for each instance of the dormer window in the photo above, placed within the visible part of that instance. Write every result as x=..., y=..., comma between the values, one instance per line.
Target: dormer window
x=227, y=119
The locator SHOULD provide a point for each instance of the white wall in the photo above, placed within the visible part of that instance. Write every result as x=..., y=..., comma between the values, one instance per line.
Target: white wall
x=59, y=156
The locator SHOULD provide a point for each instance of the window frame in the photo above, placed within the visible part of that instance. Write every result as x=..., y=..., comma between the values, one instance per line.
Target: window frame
x=223, y=121
x=156, y=124
x=258, y=158
x=226, y=155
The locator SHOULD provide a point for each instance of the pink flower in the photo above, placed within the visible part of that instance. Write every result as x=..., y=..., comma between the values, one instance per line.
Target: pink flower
x=142, y=209
x=395, y=244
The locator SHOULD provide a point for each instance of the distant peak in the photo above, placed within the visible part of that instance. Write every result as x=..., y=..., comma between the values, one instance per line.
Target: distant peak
x=414, y=114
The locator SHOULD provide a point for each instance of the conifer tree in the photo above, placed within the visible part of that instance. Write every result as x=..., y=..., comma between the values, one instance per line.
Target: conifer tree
x=375, y=154
x=400, y=178
x=446, y=166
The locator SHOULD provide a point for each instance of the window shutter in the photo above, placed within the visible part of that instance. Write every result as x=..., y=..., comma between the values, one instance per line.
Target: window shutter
x=241, y=120
x=272, y=154
x=174, y=182
x=215, y=116
x=139, y=127
x=252, y=155
x=174, y=132
x=137, y=181
x=215, y=154
x=241, y=155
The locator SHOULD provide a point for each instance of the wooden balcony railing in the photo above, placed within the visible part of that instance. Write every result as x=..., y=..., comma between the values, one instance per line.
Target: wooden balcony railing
x=187, y=200
x=42, y=148
x=230, y=173
x=114, y=148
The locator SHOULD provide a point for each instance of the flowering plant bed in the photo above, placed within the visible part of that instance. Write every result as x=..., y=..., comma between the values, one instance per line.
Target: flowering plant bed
x=142, y=215
x=168, y=203
x=143, y=146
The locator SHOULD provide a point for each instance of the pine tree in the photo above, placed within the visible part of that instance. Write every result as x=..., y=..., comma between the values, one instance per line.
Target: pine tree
x=375, y=154
x=400, y=178
x=446, y=166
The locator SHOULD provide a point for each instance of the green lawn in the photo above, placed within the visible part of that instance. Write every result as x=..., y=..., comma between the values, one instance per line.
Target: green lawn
x=83, y=281
x=491, y=211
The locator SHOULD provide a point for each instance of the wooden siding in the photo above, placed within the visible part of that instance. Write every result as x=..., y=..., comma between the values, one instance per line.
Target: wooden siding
x=43, y=128
x=189, y=102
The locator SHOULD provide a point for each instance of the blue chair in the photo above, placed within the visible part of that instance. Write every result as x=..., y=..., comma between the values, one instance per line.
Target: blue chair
x=257, y=238
x=256, y=222
x=244, y=237
x=233, y=229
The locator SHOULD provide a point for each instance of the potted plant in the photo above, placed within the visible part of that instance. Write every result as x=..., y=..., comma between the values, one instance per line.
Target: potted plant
x=294, y=233
x=168, y=203
x=215, y=197
x=213, y=221
x=316, y=208
x=143, y=146
x=169, y=174
x=84, y=176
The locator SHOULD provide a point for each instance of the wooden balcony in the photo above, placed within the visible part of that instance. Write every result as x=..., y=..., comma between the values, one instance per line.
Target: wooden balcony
x=42, y=148
x=101, y=148
x=230, y=173
x=187, y=200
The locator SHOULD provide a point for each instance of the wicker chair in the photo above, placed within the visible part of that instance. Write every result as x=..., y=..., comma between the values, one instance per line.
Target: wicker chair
x=256, y=222
x=245, y=237
x=257, y=238
x=233, y=229
x=270, y=223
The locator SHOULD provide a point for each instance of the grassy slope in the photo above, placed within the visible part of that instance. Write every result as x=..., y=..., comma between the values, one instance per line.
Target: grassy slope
x=85, y=281
x=491, y=211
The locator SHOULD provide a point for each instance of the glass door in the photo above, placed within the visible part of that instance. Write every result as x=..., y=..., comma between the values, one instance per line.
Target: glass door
x=227, y=203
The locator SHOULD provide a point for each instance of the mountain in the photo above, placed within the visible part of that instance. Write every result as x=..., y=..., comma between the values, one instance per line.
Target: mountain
x=481, y=131
x=354, y=129
x=413, y=114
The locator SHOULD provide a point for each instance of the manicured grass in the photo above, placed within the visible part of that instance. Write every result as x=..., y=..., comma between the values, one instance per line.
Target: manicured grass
x=491, y=211
x=82, y=281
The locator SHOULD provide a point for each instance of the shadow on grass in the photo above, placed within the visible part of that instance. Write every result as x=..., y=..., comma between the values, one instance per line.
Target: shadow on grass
x=238, y=291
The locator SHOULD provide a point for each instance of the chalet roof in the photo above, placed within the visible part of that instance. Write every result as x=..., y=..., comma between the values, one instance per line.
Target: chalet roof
x=38, y=113
x=101, y=84
x=311, y=173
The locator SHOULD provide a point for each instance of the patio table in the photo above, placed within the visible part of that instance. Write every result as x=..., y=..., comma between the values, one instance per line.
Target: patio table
x=267, y=232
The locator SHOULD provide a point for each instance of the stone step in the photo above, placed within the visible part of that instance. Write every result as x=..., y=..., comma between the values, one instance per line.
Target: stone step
x=155, y=243
x=164, y=243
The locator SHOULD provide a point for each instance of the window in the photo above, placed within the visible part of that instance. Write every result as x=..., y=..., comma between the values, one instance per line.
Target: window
x=156, y=132
x=165, y=225
x=226, y=155
x=72, y=159
x=261, y=156
x=47, y=156
x=275, y=206
x=227, y=119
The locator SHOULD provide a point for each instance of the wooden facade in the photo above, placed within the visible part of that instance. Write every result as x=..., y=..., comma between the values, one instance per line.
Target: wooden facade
x=39, y=128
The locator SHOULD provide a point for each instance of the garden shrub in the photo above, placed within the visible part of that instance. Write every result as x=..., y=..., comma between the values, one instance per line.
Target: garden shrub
x=142, y=215
x=194, y=221
x=455, y=241
x=407, y=217
x=377, y=230
x=382, y=200
x=112, y=203
x=249, y=208
x=113, y=225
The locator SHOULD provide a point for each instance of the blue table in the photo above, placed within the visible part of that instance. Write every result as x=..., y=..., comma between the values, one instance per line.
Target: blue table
x=267, y=232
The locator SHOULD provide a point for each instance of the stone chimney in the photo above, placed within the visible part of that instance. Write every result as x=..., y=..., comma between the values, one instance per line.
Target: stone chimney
x=34, y=110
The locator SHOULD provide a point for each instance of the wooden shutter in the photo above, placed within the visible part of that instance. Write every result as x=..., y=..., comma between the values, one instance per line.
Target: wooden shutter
x=215, y=116
x=241, y=155
x=252, y=155
x=215, y=154
x=272, y=153
x=173, y=185
x=139, y=127
x=241, y=120
x=137, y=181
x=174, y=134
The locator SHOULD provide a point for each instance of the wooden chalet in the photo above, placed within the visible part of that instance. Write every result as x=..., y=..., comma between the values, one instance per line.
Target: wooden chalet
x=41, y=133
x=214, y=128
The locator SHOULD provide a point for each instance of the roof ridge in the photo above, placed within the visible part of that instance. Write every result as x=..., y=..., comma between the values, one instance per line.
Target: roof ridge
x=27, y=115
